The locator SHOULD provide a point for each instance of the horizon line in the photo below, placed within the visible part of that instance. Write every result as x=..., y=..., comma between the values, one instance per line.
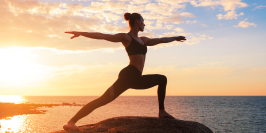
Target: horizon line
x=147, y=95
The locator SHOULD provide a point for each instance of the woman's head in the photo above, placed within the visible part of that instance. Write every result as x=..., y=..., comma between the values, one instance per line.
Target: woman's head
x=135, y=19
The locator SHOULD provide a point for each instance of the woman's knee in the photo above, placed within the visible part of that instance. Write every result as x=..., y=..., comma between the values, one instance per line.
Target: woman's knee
x=163, y=79
x=159, y=79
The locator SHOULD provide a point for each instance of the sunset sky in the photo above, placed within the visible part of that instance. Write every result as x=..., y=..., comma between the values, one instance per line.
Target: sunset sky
x=224, y=55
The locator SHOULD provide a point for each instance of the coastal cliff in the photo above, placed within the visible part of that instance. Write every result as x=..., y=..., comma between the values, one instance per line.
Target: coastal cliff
x=136, y=124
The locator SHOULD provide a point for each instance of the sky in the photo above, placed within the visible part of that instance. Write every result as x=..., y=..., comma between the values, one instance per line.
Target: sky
x=224, y=54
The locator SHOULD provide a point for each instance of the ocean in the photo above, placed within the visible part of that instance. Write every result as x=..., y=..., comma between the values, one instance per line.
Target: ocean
x=222, y=114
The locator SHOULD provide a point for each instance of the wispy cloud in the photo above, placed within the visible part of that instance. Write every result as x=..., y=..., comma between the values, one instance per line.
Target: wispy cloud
x=191, y=22
x=259, y=7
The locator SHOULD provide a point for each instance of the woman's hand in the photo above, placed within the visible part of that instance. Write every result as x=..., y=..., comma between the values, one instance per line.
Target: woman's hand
x=181, y=38
x=76, y=34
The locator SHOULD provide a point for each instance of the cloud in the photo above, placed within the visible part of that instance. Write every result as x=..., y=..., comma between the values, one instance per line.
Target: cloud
x=179, y=30
x=168, y=34
x=186, y=14
x=227, y=4
x=204, y=3
x=191, y=22
x=194, y=40
x=168, y=27
x=232, y=4
x=113, y=28
x=177, y=4
x=40, y=24
x=175, y=18
x=160, y=8
x=151, y=16
x=114, y=7
x=229, y=15
x=259, y=7
x=191, y=39
x=147, y=34
x=140, y=1
x=245, y=24
x=135, y=8
x=36, y=24
x=109, y=17
x=148, y=24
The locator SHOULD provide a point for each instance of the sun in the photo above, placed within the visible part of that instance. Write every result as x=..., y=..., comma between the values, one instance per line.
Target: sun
x=11, y=99
x=16, y=69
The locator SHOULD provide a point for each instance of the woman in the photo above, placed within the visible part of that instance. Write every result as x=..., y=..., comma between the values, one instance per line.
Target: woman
x=131, y=76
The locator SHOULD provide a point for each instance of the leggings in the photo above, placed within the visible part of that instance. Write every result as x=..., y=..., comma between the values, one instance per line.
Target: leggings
x=129, y=77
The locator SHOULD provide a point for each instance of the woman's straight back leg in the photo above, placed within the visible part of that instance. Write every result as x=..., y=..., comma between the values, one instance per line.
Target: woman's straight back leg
x=110, y=94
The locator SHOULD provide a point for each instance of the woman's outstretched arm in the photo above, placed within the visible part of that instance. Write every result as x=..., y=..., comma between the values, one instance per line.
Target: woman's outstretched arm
x=155, y=41
x=97, y=35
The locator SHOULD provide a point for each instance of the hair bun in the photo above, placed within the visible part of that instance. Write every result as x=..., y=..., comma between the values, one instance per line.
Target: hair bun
x=127, y=16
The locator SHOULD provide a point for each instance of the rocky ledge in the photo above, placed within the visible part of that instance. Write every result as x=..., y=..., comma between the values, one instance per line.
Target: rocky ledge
x=136, y=124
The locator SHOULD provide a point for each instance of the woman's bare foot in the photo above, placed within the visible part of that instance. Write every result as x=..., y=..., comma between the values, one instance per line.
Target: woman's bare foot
x=164, y=114
x=71, y=126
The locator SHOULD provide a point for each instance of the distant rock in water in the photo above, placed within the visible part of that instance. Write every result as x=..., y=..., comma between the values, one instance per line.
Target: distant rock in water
x=136, y=124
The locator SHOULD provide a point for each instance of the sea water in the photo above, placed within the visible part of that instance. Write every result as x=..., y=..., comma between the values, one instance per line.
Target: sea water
x=236, y=114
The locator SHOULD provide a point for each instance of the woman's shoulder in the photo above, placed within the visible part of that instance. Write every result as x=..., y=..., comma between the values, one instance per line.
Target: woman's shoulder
x=124, y=35
x=144, y=38
x=126, y=38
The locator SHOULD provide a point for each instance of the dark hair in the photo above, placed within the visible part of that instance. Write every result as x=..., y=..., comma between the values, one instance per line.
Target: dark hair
x=132, y=18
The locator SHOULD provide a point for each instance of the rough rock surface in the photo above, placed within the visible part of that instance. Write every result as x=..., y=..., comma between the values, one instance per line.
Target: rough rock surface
x=136, y=124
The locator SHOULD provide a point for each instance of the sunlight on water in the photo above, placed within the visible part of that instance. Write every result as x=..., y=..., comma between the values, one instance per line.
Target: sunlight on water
x=11, y=99
x=220, y=114
x=13, y=124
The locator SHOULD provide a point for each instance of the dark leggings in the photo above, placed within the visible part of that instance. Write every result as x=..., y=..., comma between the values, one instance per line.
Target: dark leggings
x=129, y=77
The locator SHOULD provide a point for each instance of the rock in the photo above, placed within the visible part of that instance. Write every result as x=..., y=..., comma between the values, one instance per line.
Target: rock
x=136, y=124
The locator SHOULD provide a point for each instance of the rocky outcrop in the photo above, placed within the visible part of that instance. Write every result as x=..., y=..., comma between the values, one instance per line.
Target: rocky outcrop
x=135, y=124
x=12, y=109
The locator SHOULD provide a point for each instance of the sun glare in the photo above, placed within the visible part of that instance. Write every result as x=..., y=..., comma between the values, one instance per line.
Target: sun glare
x=16, y=69
x=11, y=99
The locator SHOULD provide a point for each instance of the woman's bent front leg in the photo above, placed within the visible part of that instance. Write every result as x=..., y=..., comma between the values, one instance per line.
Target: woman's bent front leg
x=147, y=81
x=150, y=80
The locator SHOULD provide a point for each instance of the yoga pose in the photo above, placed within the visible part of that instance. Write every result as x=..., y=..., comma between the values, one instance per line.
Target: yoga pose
x=131, y=76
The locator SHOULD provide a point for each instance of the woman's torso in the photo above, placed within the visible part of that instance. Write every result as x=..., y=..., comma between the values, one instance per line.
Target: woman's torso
x=137, y=60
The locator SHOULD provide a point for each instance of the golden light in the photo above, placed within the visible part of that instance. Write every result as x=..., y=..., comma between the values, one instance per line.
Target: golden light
x=13, y=124
x=11, y=99
x=16, y=70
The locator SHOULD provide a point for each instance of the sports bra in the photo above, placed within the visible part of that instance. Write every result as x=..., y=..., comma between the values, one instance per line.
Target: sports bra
x=135, y=47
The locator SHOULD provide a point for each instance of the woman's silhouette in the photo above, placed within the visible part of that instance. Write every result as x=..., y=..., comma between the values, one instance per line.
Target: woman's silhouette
x=131, y=76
